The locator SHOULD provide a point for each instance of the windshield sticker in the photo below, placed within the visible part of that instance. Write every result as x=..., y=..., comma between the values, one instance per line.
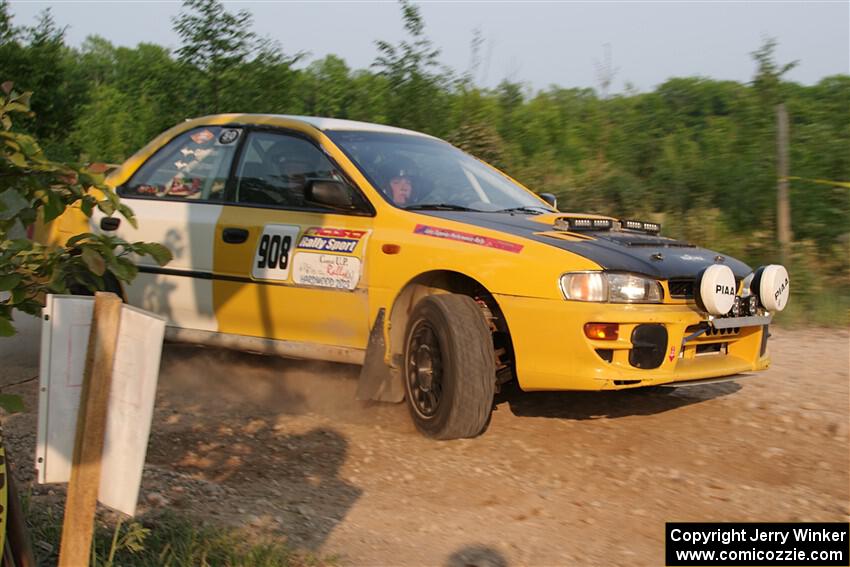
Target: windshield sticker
x=330, y=239
x=202, y=137
x=228, y=136
x=468, y=238
x=274, y=252
x=183, y=187
x=326, y=270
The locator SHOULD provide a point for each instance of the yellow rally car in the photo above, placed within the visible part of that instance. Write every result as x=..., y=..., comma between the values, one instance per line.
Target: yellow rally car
x=351, y=242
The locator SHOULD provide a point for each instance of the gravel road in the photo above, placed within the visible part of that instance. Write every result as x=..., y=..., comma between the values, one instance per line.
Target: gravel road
x=558, y=479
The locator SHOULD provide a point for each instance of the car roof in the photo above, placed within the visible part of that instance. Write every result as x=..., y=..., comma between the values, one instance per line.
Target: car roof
x=339, y=124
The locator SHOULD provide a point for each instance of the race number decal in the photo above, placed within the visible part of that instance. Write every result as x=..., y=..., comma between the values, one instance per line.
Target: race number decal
x=274, y=252
x=327, y=270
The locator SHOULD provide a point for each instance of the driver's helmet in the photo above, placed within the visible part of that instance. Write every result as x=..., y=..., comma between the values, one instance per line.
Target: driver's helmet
x=399, y=179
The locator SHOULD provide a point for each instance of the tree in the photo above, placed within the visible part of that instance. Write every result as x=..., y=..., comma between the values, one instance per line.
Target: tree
x=98, y=60
x=31, y=185
x=42, y=68
x=111, y=125
x=10, y=48
x=475, y=46
x=481, y=140
x=768, y=79
x=325, y=87
x=411, y=70
x=214, y=41
x=605, y=71
x=768, y=82
x=369, y=97
x=7, y=30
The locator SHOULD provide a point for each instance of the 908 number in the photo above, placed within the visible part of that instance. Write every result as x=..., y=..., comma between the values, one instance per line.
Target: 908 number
x=273, y=252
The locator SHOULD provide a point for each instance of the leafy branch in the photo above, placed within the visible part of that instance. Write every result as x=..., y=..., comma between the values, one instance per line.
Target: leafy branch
x=33, y=187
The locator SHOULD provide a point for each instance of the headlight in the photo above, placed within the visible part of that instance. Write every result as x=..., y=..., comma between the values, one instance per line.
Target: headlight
x=588, y=286
x=611, y=287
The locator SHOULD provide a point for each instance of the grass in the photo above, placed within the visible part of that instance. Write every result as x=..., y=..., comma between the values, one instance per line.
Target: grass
x=829, y=308
x=167, y=540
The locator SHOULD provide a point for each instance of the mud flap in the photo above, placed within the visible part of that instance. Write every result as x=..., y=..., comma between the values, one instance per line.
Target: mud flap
x=378, y=381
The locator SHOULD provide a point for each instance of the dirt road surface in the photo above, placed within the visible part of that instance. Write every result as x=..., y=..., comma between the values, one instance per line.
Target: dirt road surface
x=558, y=479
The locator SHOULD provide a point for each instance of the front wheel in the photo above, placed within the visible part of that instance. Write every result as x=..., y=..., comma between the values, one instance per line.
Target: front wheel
x=449, y=367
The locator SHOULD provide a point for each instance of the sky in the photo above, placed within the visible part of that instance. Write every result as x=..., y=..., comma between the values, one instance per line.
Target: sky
x=537, y=43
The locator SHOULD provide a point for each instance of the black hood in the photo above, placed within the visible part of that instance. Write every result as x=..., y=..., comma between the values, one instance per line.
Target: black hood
x=627, y=251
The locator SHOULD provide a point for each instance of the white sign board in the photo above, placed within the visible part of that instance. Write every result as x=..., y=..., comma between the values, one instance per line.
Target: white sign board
x=64, y=342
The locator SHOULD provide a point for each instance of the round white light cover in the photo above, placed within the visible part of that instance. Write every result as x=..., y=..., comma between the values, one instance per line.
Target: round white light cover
x=774, y=287
x=717, y=289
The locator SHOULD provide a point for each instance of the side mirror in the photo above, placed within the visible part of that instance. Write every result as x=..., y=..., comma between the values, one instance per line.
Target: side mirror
x=550, y=198
x=328, y=193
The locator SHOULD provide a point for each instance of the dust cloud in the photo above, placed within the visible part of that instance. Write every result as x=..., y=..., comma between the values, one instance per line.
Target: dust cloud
x=218, y=378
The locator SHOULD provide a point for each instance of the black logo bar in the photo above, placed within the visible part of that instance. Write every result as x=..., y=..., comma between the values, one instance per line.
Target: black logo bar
x=757, y=544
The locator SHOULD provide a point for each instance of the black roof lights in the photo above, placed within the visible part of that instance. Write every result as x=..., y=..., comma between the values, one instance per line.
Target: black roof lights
x=579, y=224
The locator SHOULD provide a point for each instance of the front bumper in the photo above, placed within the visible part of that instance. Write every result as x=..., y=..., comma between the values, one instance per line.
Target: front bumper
x=553, y=353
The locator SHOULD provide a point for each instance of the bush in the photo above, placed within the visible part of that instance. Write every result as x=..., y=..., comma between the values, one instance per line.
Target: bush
x=33, y=186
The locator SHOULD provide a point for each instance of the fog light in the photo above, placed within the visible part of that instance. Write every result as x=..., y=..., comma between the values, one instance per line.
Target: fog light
x=753, y=304
x=602, y=331
x=737, y=307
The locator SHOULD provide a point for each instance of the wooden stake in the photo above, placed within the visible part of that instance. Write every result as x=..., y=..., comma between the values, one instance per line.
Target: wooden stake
x=783, y=205
x=81, y=503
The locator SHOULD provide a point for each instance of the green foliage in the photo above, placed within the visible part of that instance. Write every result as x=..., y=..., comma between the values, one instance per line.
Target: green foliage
x=130, y=540
x=31, y=185
x=768, y=79
x=325, y=89
x=7, y=29
x=481, y=140
x=213, y=38
x=167, y=540
x=214, y=42
x=9, y=402
x=411, y=70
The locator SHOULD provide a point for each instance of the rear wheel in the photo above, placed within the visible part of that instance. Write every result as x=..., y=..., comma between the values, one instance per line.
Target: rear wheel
x=449, y=367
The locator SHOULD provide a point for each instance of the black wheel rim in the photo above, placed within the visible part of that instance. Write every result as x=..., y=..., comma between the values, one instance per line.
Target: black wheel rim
x=425, y=370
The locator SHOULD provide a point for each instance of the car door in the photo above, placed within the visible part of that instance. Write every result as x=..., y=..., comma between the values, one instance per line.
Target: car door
x=177, y=196
x=286, y=268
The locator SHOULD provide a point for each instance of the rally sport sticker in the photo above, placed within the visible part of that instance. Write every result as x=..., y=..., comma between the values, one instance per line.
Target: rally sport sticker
x=326, y=270
x=321, y=239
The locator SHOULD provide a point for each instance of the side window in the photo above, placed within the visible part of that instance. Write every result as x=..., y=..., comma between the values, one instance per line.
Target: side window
x=275, y=168
x=194, y=165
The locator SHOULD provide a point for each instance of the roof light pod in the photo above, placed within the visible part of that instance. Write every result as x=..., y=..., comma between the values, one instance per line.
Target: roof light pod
x=573, y=224
x=716, y=289
x=650, y=227
x=772, y=286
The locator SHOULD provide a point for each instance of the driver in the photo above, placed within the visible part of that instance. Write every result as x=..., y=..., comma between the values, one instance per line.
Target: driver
x=399, y=182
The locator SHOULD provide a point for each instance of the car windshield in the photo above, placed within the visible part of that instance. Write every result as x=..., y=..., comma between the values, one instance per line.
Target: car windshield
x=417, y=172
